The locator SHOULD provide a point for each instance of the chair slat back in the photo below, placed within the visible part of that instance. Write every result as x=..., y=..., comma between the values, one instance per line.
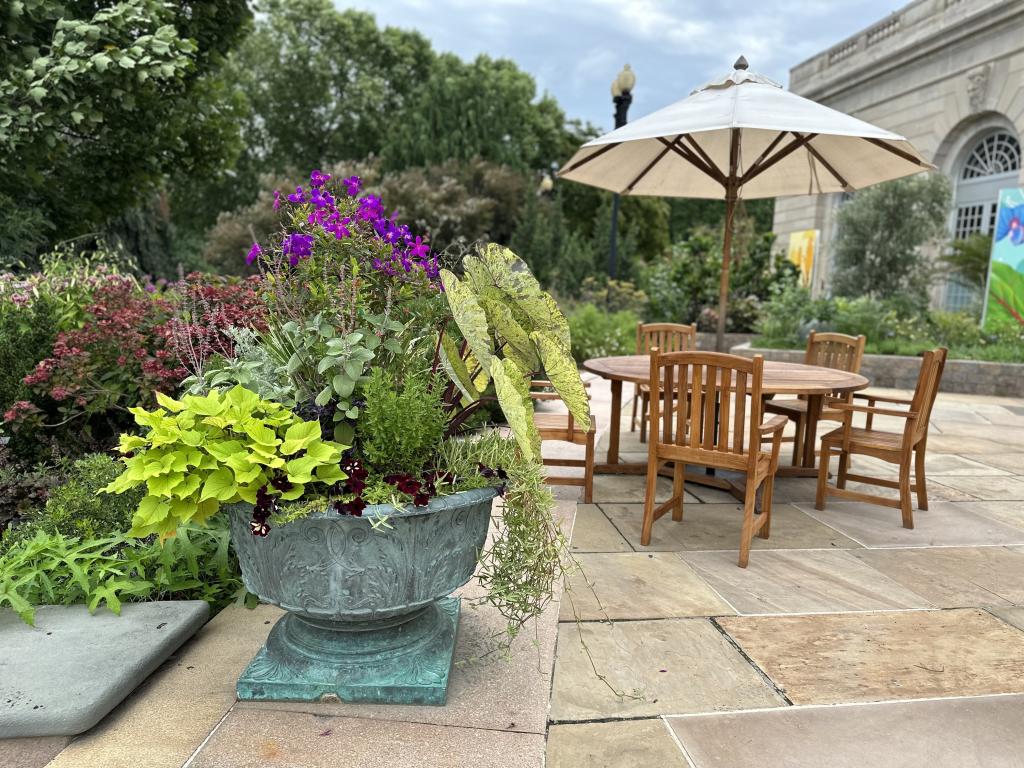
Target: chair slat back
x=835, y=350
x=932, y=365
x=715, y=425
x=668, y=337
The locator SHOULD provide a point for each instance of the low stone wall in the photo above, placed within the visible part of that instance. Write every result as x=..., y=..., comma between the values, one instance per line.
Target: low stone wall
x=972, y=377
x=706, y=341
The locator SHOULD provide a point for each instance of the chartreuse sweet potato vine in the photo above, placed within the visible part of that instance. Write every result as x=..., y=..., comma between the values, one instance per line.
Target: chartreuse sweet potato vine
x=204, y=451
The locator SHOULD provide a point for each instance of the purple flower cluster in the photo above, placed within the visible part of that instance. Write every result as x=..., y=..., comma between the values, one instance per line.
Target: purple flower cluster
x=408, y=254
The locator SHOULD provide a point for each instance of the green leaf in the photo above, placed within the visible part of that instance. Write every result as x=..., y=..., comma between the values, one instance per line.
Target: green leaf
x=299, y=436
x=172, y=405
x=220, y=485
x=300, y=470
x=512, y=390
x=560, y=368
x=505, y=326
x=469, y=316
x=456, y=368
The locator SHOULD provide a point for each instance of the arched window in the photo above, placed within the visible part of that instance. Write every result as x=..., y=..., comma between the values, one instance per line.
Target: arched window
x=991, y=163
x=995, y=154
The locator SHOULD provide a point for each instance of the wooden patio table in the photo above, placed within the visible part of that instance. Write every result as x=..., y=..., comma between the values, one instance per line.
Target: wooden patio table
x=780, y=378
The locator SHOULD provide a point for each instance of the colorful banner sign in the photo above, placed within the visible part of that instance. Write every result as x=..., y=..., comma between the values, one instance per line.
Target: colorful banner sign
x=1004, y=304
x=801, y=252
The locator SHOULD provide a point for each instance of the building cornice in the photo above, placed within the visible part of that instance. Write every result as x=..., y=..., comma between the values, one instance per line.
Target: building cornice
x=865, y=66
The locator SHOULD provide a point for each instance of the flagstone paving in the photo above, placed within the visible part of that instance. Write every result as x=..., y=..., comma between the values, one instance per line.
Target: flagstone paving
x=954, y=577
x=638, y=585
x=848, y=606
x=943, y=524
x=802, y=581
x=625, y=743
x=967, y=733
x=717, y=526
x=850, y=657
x=650, y=668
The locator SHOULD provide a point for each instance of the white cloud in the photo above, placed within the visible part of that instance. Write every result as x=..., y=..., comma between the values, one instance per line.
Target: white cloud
x=574, y=48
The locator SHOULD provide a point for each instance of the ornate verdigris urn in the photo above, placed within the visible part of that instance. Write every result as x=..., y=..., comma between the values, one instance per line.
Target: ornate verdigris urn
x=370, y=617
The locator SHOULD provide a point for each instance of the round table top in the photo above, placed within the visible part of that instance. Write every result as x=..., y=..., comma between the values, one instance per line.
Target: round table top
x=779, y=378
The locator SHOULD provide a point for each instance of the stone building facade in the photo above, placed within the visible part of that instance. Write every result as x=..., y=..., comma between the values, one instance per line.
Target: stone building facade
x=949, y=76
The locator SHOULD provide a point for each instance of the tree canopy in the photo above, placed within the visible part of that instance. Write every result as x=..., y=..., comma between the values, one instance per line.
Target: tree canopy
x=877, y=249
x=100, y=102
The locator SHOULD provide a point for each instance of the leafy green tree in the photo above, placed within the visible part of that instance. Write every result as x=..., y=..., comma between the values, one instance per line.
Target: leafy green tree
x=877, y=250
x=323, y=85
x=99, y=100
x=488, y=109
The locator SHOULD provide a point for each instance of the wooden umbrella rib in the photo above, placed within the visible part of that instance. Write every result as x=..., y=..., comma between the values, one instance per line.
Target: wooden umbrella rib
x=704, y=156
x=828, y=167
x=767, y=150
x=898, y=152
x=650, y=165
x=787, y=150
x=693, y=160
x=588, y=158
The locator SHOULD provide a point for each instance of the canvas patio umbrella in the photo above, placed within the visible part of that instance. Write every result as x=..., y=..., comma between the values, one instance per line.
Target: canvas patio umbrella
x=743, y=136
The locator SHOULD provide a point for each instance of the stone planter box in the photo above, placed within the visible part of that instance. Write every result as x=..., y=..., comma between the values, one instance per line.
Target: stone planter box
x=971, y=377
x=369, y=614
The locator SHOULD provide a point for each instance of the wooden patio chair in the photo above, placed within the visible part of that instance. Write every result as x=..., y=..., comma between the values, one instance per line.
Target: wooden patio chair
x=714, y=427
x=668, y=337
x=829, y=350
x=564, y=428
x=893, y=447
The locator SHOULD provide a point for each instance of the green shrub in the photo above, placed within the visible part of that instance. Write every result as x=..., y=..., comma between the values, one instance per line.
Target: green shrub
x=597, y=333
x=955, y=329
x=403, y=422
x=54, y=569
x=790, y=314
x=75, y=507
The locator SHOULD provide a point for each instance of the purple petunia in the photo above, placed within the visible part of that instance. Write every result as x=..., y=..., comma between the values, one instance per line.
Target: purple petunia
x=297, y=246
x=277, y=199
x=318, y=179
x=352, y=185
x=298, y=197
x=254, y=253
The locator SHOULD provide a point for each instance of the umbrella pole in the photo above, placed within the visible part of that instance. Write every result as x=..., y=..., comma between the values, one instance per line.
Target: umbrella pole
x=723, y=288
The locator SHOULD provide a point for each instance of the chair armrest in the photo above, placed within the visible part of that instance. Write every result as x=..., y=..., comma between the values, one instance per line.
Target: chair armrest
x=872, y=399
x=774, y=424
x=544, y=396
x=839, y=405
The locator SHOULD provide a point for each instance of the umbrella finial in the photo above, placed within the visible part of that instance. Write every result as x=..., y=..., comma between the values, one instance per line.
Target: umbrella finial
x=741, y=63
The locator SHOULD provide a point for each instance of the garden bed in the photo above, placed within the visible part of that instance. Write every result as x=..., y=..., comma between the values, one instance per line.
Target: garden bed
x=972, y=377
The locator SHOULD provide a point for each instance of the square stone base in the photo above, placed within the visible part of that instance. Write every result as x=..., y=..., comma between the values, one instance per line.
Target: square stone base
x=352, y=667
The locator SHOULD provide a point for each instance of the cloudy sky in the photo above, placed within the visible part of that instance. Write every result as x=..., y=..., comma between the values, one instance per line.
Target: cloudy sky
x=574, y=48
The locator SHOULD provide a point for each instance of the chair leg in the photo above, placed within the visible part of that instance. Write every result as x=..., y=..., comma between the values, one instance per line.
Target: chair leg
x=588, y=471
x=678, y=489
x=826, y=457
x=766, y=506
x=922, y=492
x=749, y=500
x=798, y=440
x=652, y=484
x=844, y=466
x=645, y=400
x=905, y=505
x=636, y=398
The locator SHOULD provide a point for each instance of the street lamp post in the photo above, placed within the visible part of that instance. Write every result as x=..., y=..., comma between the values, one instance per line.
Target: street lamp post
x=622, y=97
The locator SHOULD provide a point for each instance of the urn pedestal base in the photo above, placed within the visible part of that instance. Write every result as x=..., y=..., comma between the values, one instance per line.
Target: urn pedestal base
x=403, y=660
